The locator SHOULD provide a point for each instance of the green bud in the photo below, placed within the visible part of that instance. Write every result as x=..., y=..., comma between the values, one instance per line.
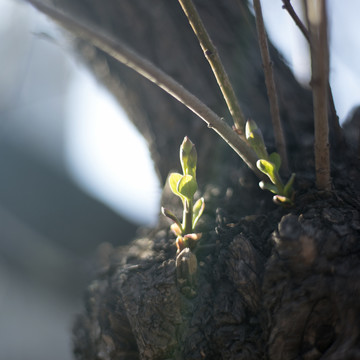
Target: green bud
x=282, y=200
x=255, y=139
x=188, y=157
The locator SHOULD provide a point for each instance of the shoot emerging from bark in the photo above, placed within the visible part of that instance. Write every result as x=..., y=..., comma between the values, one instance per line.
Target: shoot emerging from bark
x=184, y=186
x=270, y=166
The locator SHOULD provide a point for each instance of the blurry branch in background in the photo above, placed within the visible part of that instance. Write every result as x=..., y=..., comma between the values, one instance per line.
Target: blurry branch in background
x=212, y=56
x=270, y=86
x=289, y=8
x=317, y=22
x=128, y=57
x=335, y=118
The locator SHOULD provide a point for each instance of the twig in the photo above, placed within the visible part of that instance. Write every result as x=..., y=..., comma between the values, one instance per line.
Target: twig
x=320, y=77
x=270, y=86
x=214, y=60
x=289, y=8
x=127, y=56
x=335, y=118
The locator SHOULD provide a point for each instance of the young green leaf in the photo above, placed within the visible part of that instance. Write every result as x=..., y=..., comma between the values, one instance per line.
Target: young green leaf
x=267, y=168
x=187, y=186
x=267, y=186
x=176, y=229
x=171, y=216
x=174, y=179
x=288, y=187
x=275, y=159
x=198, y=209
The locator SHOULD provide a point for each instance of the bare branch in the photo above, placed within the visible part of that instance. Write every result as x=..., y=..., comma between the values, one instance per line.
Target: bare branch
x=214, y=60
x=127, y=56
x=317, y=19
x=270, y=86
x=334, y=116
x=289, y=8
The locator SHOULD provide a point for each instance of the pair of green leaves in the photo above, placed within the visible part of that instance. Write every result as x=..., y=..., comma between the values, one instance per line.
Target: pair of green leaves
x=185, y=186
x=270, y=166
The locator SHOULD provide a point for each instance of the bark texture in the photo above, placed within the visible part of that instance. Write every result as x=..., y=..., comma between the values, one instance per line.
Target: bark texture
x=271, y=282
x=286, y=291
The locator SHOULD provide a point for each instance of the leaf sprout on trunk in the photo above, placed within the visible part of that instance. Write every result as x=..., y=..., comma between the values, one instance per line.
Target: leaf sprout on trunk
x=270, y=166
x=184, y=186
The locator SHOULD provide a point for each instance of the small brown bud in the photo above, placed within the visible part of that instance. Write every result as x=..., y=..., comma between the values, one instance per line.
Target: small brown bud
x=186, y=268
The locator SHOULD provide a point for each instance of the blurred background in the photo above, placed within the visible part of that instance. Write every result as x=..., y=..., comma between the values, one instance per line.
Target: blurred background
x=75, y=173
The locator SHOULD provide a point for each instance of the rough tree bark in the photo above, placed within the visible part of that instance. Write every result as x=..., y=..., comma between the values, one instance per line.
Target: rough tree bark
x=271, y=282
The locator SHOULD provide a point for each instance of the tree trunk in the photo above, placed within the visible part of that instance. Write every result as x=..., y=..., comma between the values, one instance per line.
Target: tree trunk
x=277, y=283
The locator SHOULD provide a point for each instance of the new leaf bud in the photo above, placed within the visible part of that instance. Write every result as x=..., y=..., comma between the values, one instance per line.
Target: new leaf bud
x=188, y=157
x=255, y=139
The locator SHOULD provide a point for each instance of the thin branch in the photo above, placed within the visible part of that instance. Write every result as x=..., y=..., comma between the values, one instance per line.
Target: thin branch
x=289, y=8
x=335, y=118
x=317, y=20
x=270, y=86
x=214, y=60
x=128, y=57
